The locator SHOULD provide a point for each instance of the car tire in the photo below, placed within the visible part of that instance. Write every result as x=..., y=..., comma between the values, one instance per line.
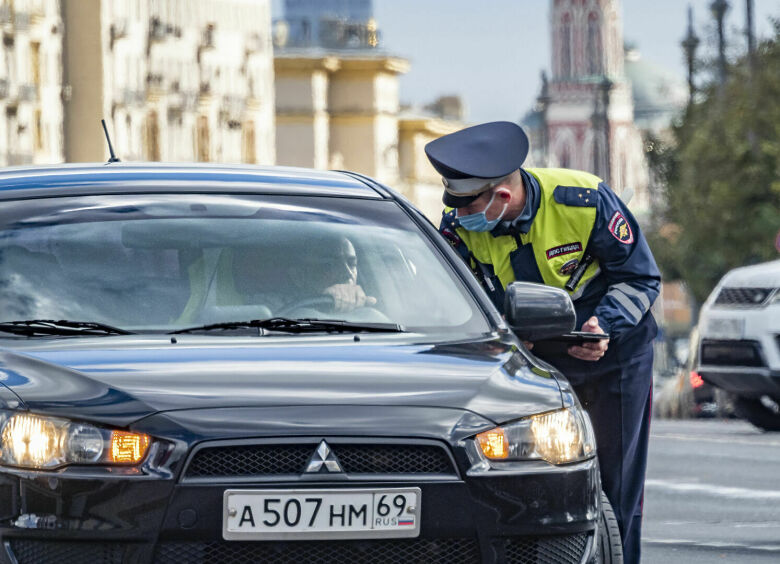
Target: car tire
x=609, y=544
x=752, y=410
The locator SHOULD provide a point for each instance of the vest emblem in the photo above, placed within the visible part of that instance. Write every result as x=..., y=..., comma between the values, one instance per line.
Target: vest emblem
x=564, y=250
x=569, y=267
x=620, y=229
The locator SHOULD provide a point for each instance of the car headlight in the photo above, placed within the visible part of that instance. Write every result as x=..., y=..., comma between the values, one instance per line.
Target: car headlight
x=559, y=437
x=40, y=442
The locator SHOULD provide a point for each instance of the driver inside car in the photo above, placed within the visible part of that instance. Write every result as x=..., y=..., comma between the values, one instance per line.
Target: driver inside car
x=303, y=281
x=333, y=274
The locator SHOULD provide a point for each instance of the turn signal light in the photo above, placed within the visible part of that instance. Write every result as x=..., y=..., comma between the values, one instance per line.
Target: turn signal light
x=128, y=447
x=696, y=380
x=494, y=444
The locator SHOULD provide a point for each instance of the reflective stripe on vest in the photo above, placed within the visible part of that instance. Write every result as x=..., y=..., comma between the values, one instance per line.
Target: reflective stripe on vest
x=559, y=233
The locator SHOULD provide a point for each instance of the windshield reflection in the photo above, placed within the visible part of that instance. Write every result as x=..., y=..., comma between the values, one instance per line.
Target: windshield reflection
x=163, y=262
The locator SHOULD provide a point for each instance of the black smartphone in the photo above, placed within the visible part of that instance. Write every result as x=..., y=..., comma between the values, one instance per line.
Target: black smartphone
x=580, y=337
x=560, y=345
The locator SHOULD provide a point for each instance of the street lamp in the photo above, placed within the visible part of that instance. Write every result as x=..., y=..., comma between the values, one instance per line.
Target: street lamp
x=719, y=8
x=689, y=44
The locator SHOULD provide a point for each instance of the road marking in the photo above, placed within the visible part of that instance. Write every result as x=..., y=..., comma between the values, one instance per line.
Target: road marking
x=732, y=524
x=713, y=490
x=717, y=545
x=699, y=439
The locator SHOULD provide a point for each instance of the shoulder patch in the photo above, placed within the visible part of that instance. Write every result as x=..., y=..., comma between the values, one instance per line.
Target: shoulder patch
x=576, y=196
x=620, y=228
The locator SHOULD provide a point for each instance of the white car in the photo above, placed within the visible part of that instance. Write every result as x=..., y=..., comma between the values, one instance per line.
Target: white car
x=739, y=352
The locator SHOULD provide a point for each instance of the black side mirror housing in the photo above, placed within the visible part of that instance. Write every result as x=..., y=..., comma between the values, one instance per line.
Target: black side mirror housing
x=536, y=311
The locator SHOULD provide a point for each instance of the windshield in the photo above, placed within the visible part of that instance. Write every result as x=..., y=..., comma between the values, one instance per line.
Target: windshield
x=166, y=262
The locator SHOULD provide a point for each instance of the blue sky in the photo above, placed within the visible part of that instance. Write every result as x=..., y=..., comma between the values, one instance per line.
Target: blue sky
x=491, y=52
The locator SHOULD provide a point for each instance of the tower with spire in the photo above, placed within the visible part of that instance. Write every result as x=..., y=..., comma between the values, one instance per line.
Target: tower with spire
x=588, y=108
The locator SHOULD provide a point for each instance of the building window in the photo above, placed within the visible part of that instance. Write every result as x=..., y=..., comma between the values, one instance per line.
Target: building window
x=565, y=157
x=152, y=141
x=596, y=157
x=249, y=148
x=202, y=147
x=35, y=63
x=566, y=46
x=38, y=135
x=594, y=56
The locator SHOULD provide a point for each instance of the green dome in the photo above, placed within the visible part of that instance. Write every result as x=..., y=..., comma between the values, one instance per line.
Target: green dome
x=659, y=94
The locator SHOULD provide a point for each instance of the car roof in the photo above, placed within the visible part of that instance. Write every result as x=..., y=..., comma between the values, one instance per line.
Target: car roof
x=124, y=178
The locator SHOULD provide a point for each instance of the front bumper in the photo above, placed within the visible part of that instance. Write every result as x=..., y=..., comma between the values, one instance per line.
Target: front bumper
x=740, y=349
x=743, y=381
x=507, y=517
x=739, y=366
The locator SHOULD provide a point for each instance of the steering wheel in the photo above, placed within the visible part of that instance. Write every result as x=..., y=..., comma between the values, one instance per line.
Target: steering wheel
x=323, y=303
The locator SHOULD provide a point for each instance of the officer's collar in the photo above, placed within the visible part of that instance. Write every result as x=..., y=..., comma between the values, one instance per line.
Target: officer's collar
x=522, y=223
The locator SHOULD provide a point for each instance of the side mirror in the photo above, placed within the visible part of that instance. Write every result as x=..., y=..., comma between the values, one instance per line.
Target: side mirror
x=536, y=311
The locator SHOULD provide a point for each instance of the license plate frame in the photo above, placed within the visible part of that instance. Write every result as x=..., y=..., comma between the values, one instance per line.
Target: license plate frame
x=257, y=533
x=725, y=328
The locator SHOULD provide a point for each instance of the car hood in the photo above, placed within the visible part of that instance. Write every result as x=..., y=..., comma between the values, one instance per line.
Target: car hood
x=765, y=275
x=118, y=380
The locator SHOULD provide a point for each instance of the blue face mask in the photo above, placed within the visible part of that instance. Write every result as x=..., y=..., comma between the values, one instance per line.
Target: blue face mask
x=479, y=221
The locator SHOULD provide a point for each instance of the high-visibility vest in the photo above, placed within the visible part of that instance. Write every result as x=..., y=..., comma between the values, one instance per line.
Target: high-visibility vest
x=559, y=233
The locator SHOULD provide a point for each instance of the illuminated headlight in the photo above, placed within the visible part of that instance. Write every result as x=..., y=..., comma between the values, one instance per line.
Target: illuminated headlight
x=36, y=441
x=558, y=437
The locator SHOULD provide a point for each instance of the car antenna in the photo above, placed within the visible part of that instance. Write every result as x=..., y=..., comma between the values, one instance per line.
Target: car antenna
x=113, y=158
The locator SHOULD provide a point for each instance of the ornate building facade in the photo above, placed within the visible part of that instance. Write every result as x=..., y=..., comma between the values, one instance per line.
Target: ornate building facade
x=31, y=82
x=585, y=117
x=177, y=80
x=337, y=101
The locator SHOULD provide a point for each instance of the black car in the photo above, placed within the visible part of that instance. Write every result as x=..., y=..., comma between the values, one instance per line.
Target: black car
x=238, y=364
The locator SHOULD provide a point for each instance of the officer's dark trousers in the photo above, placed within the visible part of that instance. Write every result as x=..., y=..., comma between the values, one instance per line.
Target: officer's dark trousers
x=619, y=402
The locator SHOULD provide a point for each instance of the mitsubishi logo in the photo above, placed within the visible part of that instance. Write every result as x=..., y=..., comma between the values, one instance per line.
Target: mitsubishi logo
x=323, y=456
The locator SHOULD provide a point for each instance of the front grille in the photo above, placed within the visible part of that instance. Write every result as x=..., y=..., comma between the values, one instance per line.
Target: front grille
x=745, y=297
x=565, y=549
x=731, y=353
x=355, y=458
x=58, y=552
x=250, y=460
x=393, y=459
x=406, y=551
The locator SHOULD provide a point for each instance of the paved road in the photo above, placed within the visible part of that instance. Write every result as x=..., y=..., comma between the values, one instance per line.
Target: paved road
x=712, y=494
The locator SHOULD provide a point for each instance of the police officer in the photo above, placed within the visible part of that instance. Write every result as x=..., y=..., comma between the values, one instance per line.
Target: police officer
x=559, y=226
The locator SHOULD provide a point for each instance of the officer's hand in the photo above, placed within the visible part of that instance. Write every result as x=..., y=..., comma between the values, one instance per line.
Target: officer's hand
x=590, y=351
x=347, y=297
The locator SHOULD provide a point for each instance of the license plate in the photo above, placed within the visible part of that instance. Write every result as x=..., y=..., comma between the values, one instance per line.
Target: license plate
x=725, y=328
x=321, y=514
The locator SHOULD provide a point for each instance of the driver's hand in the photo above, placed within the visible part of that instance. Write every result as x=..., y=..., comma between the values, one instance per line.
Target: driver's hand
x=590, y=351
x=347, y=297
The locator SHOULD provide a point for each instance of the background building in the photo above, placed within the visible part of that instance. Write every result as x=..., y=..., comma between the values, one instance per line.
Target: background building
x=31, y=82
x=337, y=101
x=339, y=110
x=334, y=24
x=601, y=105
x=585, y=116
x=177, y=80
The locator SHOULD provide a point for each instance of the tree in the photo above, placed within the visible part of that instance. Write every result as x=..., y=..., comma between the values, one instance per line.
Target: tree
x=722, y=205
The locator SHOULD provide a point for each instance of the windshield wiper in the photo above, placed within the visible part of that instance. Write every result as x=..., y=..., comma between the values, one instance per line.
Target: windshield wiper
x=306, y=325
x=34, y=327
